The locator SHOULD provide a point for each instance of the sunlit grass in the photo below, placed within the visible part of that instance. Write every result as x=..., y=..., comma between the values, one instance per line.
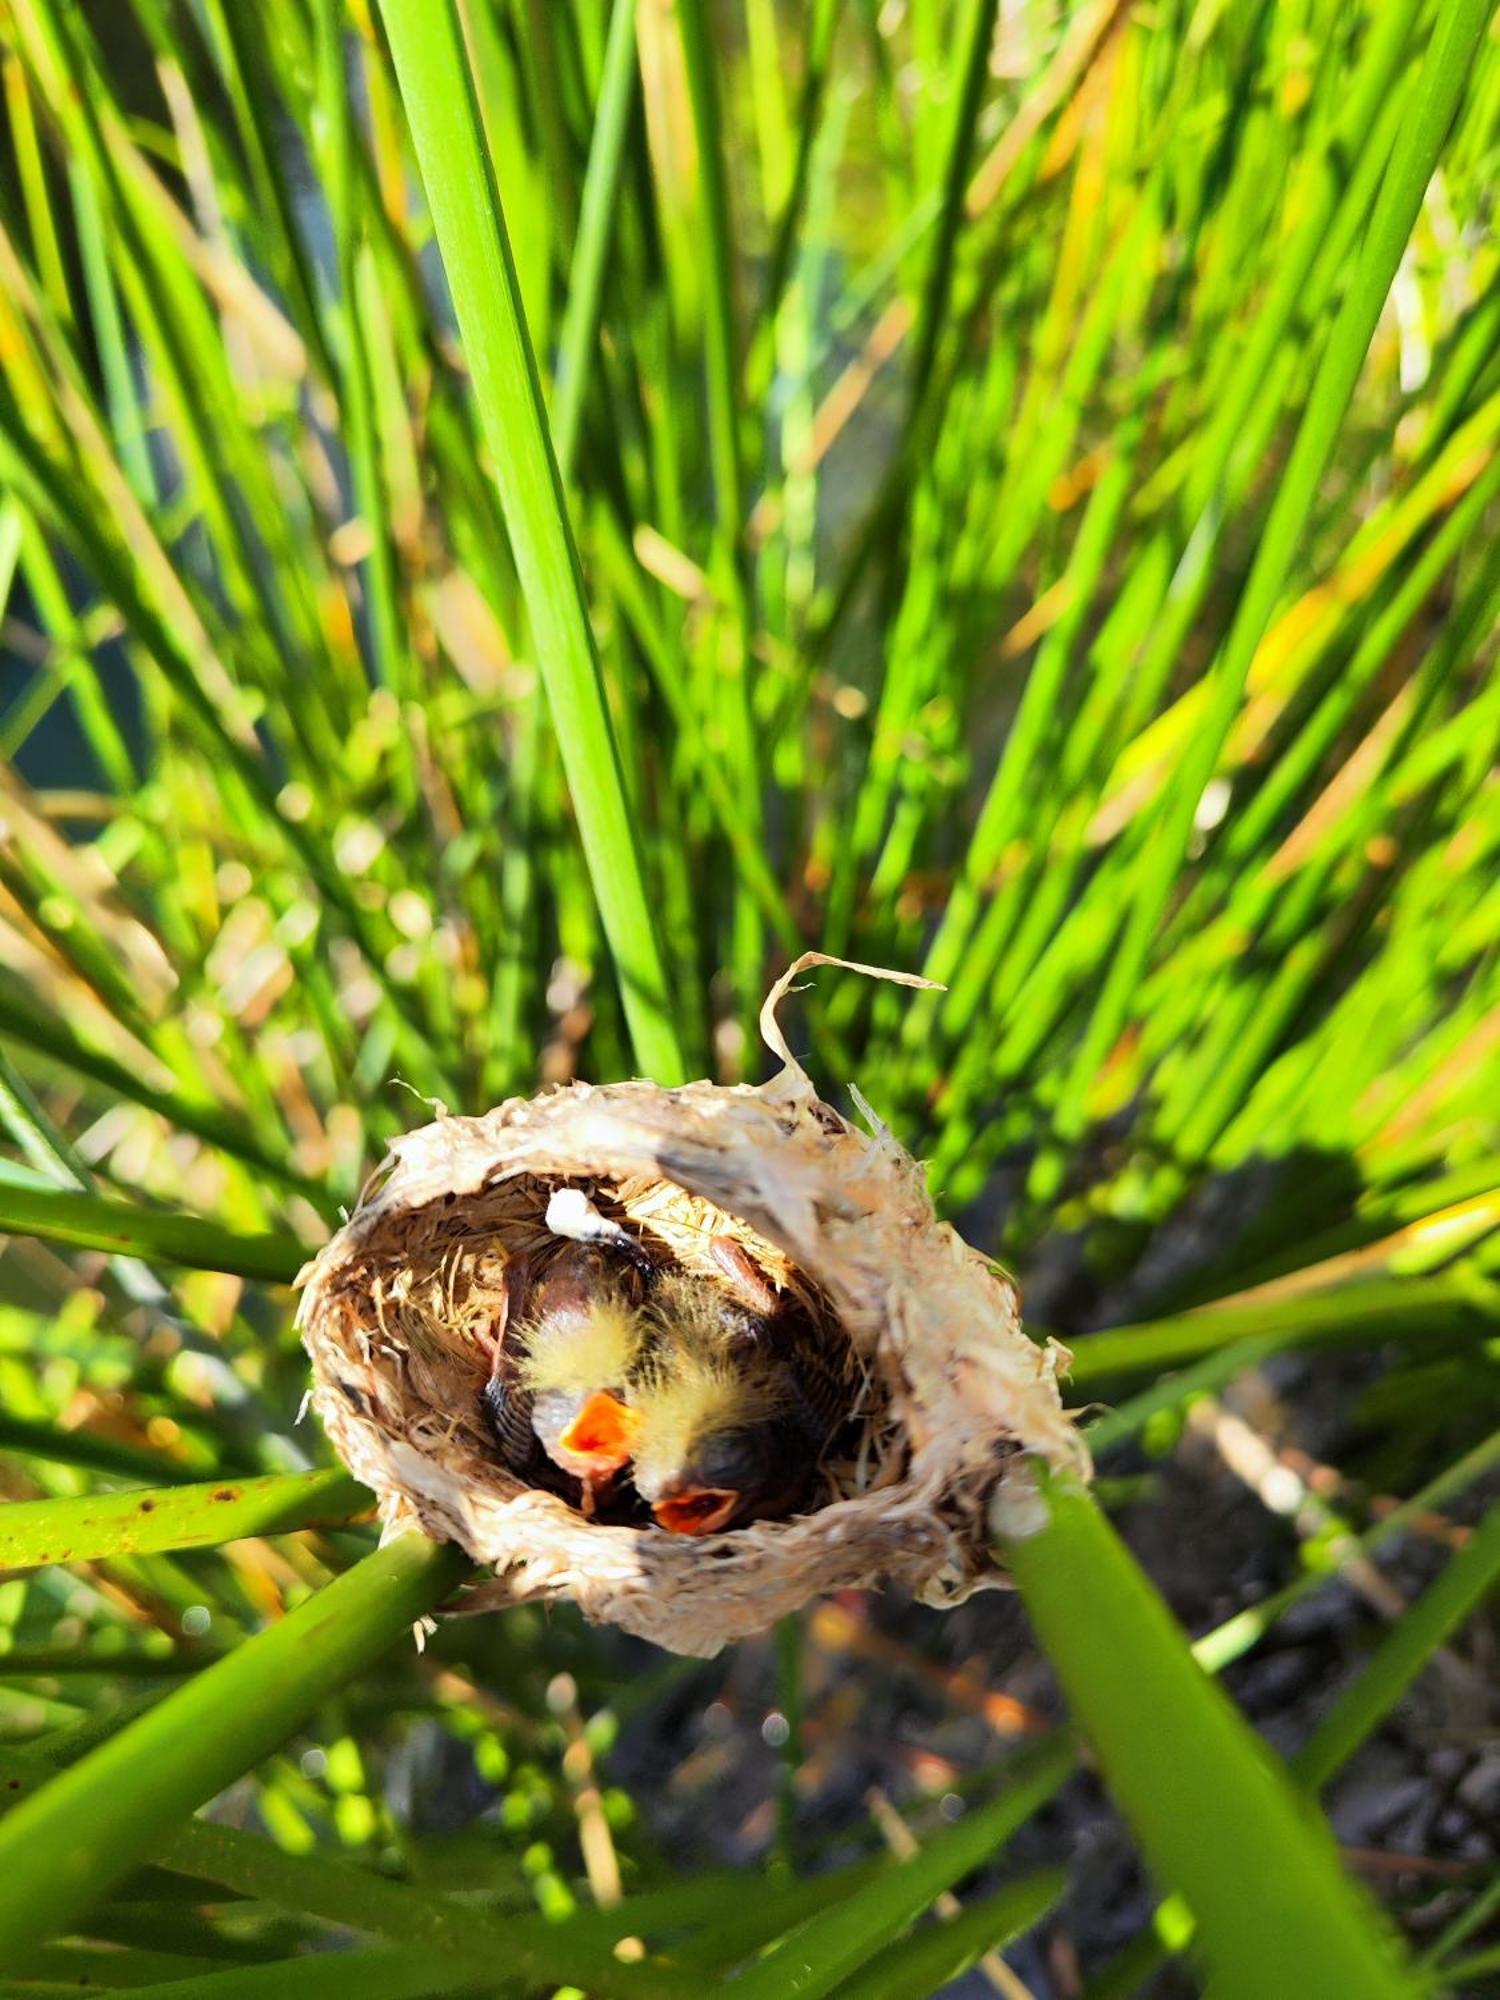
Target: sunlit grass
x=516, y=520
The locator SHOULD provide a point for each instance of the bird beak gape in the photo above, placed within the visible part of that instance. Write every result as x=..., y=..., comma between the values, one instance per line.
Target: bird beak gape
x=702, y=1510
x=600, y=1439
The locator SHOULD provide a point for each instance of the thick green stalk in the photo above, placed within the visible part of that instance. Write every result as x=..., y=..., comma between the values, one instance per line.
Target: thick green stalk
x=438, y=92
x=97, y=1525
x=1219, y=1823
x=63, y=1848
x=1408, y=1648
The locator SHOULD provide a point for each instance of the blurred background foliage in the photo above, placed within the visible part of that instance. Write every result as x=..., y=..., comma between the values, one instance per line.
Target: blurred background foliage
x=1035, y=473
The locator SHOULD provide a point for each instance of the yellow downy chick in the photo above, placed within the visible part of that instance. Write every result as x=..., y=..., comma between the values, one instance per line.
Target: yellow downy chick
x=576, y=1366
x=719, y=1439
x=556, y=1392
x=709, y=1451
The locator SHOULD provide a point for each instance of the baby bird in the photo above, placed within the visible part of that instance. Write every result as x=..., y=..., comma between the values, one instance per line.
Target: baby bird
x=555, y=1394
x=729, y=1425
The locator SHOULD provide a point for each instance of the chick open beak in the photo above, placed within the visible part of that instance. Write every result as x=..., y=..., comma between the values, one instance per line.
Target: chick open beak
x=702, y=1510
x=600, y=1438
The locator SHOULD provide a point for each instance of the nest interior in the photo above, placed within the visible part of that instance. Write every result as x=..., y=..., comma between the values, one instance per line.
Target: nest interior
x=946, y=1392
x=434, y=1293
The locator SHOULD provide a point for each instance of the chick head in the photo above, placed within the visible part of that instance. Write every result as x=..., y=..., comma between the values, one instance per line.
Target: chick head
x=577, y=1359
x=709, y=1451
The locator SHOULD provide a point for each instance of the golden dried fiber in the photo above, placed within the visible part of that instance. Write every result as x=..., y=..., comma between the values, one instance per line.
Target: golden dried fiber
x=952, y=1396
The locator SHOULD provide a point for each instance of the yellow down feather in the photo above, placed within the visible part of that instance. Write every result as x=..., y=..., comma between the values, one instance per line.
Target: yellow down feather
x=592, y=1347
x=687, y=1391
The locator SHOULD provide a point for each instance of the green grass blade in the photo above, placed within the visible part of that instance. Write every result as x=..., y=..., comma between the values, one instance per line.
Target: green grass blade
x=91, y=1968
x=601, y=189
x=819, y=37
x=80, y=1447
x=34, y=189
x=1379, y=1309
x=1479, y=1911
x=438, y=91
x=108, y=1662
x=1346, y=1727
x=1460, y=1976
x=1445, y=70
x=400, y=1973
x=1464, y=1585
x=1218, y=1821
x=338, y=1891
x=941, y=1952
x=739, y=1929
x=834, y=1946
x=179, y=1517
x=147, y=1086
x=973, y=34
x=1233, y=1639
x=93, y=1223
x=64, y=1847
x=387, y=621
x=109, y=332
x=716, y=242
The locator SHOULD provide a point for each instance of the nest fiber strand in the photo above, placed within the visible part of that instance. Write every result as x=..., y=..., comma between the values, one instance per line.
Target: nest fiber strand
x=396, y=1311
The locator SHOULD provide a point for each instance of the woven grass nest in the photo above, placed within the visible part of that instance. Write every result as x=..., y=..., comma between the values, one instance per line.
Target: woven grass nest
x=949, y=1398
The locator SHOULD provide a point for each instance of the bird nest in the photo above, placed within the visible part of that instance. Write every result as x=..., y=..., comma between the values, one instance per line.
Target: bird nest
x=947, y=1396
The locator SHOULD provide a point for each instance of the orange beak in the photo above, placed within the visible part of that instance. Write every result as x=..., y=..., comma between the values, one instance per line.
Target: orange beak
x=702, y=1510
x=600, y=1438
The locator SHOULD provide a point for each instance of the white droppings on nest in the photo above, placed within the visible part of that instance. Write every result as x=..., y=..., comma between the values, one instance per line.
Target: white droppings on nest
x=954, y=1397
